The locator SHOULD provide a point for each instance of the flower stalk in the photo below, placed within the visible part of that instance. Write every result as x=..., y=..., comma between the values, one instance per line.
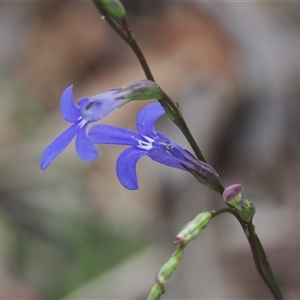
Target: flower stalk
x=258, y=253
x=261, y=261
x=172, y=109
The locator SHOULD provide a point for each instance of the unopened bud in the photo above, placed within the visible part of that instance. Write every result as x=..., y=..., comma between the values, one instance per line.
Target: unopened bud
x=232, y=195
x=113, y=9
x=244, y=208
x=169, y=267
x=232, y=191
x=192, y=229
x=179, y=241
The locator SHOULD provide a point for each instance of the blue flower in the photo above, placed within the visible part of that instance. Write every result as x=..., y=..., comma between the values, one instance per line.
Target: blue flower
x=86, y=111
x=150, y=143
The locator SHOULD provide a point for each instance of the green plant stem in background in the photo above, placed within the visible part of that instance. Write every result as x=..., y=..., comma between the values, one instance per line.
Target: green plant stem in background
x=172, y=109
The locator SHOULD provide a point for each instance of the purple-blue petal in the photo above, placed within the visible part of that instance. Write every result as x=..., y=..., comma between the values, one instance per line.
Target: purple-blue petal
x=67, y=107
x=126, y=167
x=165, y=158
x=147, y=117
x=58, y=145
x=107, y=134
x=96, y=110
x=85, y=149
x=82, y=102
x=104, y=97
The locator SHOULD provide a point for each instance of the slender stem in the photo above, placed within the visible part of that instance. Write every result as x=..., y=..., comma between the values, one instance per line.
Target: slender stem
x=186, y=132
x=172, y=109
x=256, y=258
x=175, y=112
x=221, y=211
x=127, y=37
x=140, y=56
x=262, y=264
x=266, y=266
x=259, y=256
x=181, y=124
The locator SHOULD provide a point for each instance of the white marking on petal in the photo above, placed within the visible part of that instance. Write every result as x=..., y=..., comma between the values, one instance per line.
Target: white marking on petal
x=145, y=145
x=149, y=139
x=82, y=123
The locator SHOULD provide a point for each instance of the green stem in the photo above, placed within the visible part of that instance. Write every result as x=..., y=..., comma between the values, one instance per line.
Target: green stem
x=259, y=256
x=127, y=36
x=172, y=109
x=140, y=56
x=257, y=261
x=178, y=119
x=262, y=264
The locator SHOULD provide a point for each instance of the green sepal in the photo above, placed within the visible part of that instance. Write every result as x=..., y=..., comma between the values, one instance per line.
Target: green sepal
x=142, y=90
x=247, y=212
x=206, y=175
x=244, y=208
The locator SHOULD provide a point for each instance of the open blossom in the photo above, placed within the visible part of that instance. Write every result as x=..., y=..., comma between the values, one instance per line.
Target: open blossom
x=146, y=142
x=92, y=109
x=85, y=111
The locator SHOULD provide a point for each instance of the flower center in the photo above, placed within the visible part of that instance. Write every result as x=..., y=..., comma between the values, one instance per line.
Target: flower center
x=145, y=145
x=82, y=122
x=153, y=144
x=92, y=111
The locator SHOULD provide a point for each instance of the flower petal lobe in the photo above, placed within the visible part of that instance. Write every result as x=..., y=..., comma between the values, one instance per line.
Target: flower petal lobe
x=164, y=157
x=84, y=147
x=57, y=146
x=147, y=117
x=126, y=167
x=67, y=107
x=107, y=134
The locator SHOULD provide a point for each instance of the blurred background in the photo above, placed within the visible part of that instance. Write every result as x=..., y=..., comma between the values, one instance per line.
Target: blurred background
x=73, y=232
